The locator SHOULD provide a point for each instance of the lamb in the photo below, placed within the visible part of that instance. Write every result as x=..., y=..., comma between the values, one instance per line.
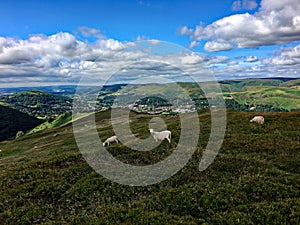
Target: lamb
x=258, y=119
x=160, y=136
x=110, y=140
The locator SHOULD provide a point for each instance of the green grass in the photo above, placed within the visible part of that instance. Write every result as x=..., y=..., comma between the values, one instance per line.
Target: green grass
x=58, y=121
x=276, y=92
x=255, y=179
x=279, y=97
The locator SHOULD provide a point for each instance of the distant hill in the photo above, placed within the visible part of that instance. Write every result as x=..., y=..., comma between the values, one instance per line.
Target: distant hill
x=254, y=82
x=61, y=89
x=271, y=94
x=280, y=93
x=291, y=83
x=38, y=103
x=12, y=121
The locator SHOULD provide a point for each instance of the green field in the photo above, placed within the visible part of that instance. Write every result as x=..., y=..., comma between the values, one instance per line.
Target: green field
x=278, y=93
x=255, y=179
x=279, y=97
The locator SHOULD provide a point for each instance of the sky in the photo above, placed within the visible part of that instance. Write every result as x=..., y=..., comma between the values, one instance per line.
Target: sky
x=52, y=42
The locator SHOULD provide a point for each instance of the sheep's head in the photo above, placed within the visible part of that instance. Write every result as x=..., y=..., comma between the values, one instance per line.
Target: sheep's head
x=151, y=130
x=103, y=144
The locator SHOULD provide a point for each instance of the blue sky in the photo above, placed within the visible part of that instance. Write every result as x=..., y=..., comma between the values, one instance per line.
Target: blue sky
x=48, y=42
x=123, y=20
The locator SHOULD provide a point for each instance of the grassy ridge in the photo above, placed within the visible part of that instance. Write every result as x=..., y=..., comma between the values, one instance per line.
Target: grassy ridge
x=255, y=178
x=12, y=121
x=278, y=92
x=37, y=103
x=58, y=121
x=279, y=97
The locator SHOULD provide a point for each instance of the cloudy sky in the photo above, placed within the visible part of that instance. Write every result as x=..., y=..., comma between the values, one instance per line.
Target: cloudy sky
x=53, y=42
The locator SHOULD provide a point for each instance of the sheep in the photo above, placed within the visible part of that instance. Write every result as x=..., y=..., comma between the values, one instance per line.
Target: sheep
x=110, y=140
x=160, y=136
x=258, y=119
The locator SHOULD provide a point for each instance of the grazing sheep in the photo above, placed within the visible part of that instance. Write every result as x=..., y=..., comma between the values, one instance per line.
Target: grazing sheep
x=110, y=140
x=160, y=136
x=258, y=119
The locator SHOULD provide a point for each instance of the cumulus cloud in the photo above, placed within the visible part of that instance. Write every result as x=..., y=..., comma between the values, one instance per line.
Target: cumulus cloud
x=244, y=4
x=60, y=55
x=90, y=32
x=219, y=45
x=63, y=59
x=193, y=59
x=251, y=59
x=286, y=56
x=276, y=22
x=147, y=39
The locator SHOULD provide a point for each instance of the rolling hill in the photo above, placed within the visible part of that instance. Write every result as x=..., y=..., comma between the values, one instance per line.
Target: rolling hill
x=12, y=121
x=279, y=97
x=37, y=103
x=255, y=178
x=291, y=83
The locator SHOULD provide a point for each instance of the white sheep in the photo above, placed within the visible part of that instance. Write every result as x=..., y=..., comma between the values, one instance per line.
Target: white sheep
x=110, y=140
x=160, y=136
x=258, y=119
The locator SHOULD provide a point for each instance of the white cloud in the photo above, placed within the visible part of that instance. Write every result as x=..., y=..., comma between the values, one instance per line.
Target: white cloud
x=192, y=59
x=154, y=42
x=90, y=32
x=218, y=45
x=286, y=56
x=276, y=22
x=251, y=59
x=193, y=44
x=62, y=58
x=244, y=4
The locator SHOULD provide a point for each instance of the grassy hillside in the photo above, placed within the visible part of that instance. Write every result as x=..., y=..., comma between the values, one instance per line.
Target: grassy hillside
x=12, y=121
x=291, y=83
x=278, y=93
x=281, y=93
x=279, y=97
x=38, y=103
x=237, y=84
x=255, y=178
x=58, y=121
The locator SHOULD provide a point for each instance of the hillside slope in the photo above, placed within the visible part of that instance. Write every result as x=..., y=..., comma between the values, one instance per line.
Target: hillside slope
x=291, y=83
x=255, y=178
x=38, y=103
x=12, y=121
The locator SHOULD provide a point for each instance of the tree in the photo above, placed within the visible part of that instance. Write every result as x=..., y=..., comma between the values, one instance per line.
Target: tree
x=20, y=134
